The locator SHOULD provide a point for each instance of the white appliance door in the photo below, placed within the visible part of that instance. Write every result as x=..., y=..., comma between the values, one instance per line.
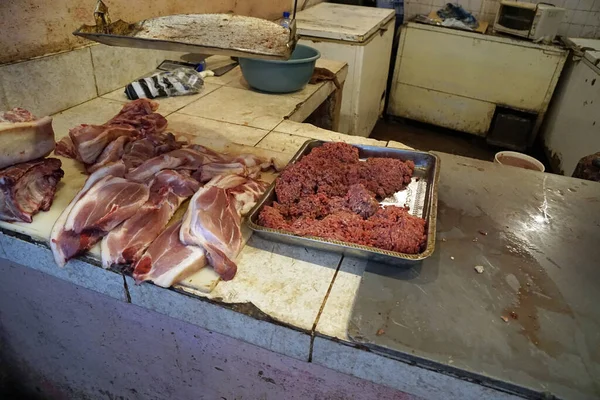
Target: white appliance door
x=574, y=122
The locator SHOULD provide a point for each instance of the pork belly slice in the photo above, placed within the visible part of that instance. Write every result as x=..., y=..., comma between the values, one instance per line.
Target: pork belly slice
x=106, y=200
x=136, y=119
x=190, y=158
x=213, y=220
x=90, y=140
x=111, y=153
x=167, y=261
x=24, y=137
x=128, y=241
x=141, y=115
x=27, y=188
x=244, y=165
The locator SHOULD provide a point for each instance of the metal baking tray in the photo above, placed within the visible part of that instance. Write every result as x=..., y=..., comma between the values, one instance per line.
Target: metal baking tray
x=214, y=34
x=420, y=196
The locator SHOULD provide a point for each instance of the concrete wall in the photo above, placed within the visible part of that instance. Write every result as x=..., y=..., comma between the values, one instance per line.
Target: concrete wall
x=582, y=18
x=32, y=28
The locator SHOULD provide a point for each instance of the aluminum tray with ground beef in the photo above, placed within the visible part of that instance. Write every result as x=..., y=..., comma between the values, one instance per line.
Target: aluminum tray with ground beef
x=369, y=207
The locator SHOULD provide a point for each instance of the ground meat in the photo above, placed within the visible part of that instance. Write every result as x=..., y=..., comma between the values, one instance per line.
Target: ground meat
x=331, y=194
x=342, y=225
x=361, y=201
x=386, y=176
x=332, y=168
x=395, y=229
x=271, y=217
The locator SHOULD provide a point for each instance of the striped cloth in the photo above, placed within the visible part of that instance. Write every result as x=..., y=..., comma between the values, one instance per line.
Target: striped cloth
x=180, y=81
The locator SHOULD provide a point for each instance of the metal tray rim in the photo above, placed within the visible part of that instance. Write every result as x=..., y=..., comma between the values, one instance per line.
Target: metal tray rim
x=431, y=220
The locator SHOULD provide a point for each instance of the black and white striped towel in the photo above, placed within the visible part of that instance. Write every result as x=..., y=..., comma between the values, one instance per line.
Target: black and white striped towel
x=178, y=82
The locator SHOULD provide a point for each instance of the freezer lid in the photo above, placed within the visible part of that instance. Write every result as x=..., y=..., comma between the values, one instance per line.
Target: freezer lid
x=593, y=57
x=342, y=22
x=586, y=48
x=584, y=43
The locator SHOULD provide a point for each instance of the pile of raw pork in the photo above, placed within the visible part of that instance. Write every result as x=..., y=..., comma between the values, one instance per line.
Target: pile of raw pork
x=27, y=179
x=139, y=176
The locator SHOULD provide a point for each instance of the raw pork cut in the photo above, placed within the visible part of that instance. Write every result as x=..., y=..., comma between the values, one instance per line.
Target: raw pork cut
x=244, y=165
x=106, y=200
x=168, y=261
x=213, y=220
x=128, y=241
x=27, y=188
x=141, y=115
x=136, y=119
x=190, y=158
x=111, y=153
x=23, y=137
x=90, y=140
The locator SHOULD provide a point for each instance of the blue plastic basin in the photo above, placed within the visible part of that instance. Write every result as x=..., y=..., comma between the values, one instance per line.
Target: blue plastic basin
x=276, y=76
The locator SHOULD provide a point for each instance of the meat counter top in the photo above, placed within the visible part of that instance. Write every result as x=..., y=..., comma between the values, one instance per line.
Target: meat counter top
x=286, y=299
x=525, y=320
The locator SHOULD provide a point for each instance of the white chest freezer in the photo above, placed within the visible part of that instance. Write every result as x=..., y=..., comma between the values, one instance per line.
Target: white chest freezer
x=362, y=37
x=572, y=126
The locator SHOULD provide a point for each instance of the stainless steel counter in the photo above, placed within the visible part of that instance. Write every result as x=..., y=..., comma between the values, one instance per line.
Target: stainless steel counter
x=530, y=322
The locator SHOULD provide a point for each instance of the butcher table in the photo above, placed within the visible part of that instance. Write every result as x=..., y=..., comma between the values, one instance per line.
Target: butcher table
x=280, y=328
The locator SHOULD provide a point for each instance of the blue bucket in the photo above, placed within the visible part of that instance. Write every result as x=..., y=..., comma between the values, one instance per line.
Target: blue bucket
x=277, y=76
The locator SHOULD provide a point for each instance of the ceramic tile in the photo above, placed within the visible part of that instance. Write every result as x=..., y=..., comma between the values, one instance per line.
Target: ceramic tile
x=81, y=273
x=49, y=84
x=243, y=107
x=579, y=17
x=219, y=319
x=3, y=101
x=335, y=317
x=288, y=283
x=96, y=111
x=332, y=65
x=398, y=145
x=568, y=16
x=574, y=30
x=588, y=31
x=596, y=5
x=282, y=142
x=234, y=74
x=312, y=132
x=425, y=383
x=593, y=18
x=117, y=66
x=304, y=93
x=167, y=105
x=571, y=4
x=585, y=5
x=212, y=131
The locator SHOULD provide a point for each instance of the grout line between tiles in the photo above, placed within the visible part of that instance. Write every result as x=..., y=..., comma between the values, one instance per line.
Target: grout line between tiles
x=94, y=72
x=314, y=327
x=193, y=101
x=228, y=122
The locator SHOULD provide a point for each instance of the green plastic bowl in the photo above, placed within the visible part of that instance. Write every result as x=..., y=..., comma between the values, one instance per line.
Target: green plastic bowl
x=275, y=76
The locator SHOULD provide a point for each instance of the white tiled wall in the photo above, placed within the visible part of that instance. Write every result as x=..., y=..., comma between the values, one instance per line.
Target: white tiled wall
x=581, y=20
x=52, y=83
